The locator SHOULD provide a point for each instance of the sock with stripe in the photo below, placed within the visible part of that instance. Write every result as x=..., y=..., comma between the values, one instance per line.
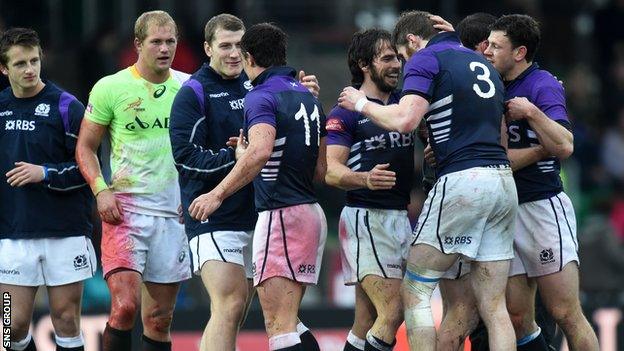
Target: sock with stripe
x=354, y=343
x=374, y=343
x=285, y=342
x=72, y=343
x=308, y=341
x=26, y=344
x=533, y=342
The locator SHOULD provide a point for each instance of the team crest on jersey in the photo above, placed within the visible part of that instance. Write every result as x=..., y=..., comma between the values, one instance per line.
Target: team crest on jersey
x=80, y=262
x=248, y=85
x=136, y=105
x=334, y=124
x=42, y=110
x=376, y=142
x=547, y=256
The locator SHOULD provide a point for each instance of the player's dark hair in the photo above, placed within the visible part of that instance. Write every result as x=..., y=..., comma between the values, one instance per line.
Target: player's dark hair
x=522, y=30
x=25, y=37
x=413, y=22
x=223, y=21
x=475, y=28
x=365, y=46
x=266, y=43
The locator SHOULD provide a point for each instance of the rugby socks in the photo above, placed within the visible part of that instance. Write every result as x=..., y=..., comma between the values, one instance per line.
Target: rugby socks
x=285, y=342
x=116, y=340
x=354, y=343
x=533, y=342
x=153, y=345
x=26, y=344
x=308, y=341
x=73, y=343
x=373, y=343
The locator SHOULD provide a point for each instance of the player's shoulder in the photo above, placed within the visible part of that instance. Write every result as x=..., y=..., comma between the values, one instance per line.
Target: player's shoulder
x=342, y=114
x=115, y=80
x=179, y=76
x=544, y=79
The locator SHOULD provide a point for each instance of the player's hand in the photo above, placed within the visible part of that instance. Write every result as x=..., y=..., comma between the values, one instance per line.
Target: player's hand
x=180, y=214
x=441, y=24
x=24, y=173
x=310, y=82
x=379, y=178
x=109, y=207
x=348, y=97
x=429, y=156
x=518, y=108
x=204, y=205
x=241, y=145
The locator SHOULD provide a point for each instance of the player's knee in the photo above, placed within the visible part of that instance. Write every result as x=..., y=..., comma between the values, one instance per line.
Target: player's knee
x=416, y=291
x=230, y=310
x=66, y=322
x=565, y=313
x=392, y=314
x=123, y=314
x=158, y=320
x=19, y=328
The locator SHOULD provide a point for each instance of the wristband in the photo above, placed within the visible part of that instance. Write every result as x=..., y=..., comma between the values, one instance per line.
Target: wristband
x=359, y=105
x=99, y=186
x=45, y=173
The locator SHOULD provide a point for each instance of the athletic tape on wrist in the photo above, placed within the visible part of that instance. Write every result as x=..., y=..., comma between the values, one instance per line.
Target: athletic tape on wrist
x=359, y=105
x=99, y=186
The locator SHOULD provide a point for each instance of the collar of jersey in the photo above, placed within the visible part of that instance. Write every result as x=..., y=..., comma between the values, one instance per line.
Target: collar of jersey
x=135, y=73
x=523, y=75
x=274, y=71
x=443, y=37
x=392, y=99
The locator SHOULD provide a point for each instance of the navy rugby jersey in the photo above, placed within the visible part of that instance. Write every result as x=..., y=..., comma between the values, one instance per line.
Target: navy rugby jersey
x=466, y=94
x=278, y=99
x=208, y=110
x=539, y=180
x=43, y=130
x=371, y=145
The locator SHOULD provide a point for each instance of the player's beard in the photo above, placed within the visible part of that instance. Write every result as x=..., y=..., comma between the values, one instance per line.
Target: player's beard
x=378, y=78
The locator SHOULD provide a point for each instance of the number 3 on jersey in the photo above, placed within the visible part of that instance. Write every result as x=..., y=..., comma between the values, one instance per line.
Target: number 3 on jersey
x=483, y=77
x=315, y=116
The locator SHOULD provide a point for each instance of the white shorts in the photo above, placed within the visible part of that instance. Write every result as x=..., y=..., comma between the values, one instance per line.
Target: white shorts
x=545, y=238
x=154, y=246
x=288, y=242
x=373, y=241
x=224, y=246
x=46, y=261
x=472, y=213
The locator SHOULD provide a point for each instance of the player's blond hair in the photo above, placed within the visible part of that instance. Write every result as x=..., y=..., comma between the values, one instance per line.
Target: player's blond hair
x=158, y=18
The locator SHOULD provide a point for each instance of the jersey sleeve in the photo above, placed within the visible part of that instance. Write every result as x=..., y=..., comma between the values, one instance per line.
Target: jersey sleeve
x=65, y=175
x=341, y=127
x=550, y=99
x=418, y=74
x=260, y=107
x=188, y=131
x=100, y=107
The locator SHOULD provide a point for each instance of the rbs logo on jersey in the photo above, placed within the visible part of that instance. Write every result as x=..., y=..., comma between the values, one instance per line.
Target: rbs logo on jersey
x=145, y=125
x=19, y=125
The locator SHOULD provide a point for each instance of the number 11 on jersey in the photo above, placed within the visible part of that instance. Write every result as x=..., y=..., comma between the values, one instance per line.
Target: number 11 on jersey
x=315, y=116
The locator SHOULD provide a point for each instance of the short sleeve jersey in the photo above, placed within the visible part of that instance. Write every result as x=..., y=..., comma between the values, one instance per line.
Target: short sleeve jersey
x=279, y=100
x=540, y=180
x=370, y=145
x=136, y=112
x=466, y=94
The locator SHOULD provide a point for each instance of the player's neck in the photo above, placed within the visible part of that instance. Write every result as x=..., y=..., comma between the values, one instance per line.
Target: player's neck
x=20, y=93
x=149, y=74
x=517, y=70
x=370, y=89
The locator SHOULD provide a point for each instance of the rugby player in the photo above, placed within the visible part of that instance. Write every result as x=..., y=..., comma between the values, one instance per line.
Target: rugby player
x=45, y=212
x=144, y=247
x=464, y=116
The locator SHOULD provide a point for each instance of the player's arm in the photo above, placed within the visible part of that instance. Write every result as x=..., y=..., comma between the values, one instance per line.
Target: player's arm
x=341, y=176
x=403, y=117
x=261, y=140
x=89, y=141
x=321, y=161
x=188, y=131
x=554, y=137
x=520, y=158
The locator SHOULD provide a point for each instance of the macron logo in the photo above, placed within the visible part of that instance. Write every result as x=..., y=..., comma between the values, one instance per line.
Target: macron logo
x=6, y=113
x=221, y=94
